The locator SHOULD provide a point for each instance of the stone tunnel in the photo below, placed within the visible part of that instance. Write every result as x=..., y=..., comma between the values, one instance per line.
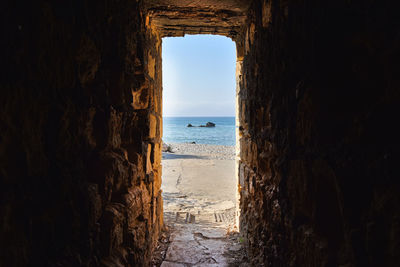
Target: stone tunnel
x=318, y=97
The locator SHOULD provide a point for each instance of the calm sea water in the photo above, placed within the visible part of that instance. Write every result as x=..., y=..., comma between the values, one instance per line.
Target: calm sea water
x=175, y=130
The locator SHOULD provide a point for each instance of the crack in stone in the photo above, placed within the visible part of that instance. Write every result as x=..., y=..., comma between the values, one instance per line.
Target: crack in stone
x=206, y=237
x=186, y=264
x=178, y=181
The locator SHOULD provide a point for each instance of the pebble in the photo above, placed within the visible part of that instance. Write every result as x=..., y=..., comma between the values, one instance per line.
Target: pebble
x=211, y=151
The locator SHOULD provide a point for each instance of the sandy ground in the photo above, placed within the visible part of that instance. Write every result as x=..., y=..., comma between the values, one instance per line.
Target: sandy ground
x=199, y=191
x=199, y=178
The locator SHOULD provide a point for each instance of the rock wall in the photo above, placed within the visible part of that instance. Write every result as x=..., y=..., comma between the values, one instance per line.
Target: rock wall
x=318, y=105
x=80, y=124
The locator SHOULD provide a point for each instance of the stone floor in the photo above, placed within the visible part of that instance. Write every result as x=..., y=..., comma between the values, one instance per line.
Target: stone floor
x=200, y=240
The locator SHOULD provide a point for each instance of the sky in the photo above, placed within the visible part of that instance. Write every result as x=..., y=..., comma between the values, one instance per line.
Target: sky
x=198, y=76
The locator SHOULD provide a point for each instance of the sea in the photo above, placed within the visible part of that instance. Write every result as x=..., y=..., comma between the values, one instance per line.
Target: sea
x=175, y=130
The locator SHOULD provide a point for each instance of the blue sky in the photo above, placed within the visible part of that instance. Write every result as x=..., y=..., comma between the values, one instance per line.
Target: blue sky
x=199, y=76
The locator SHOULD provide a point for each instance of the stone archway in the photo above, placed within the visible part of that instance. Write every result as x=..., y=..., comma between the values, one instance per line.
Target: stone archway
x=171, y=18
x=81, y=120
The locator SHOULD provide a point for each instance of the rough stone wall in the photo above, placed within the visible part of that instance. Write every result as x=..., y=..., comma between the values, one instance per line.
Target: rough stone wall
x=80, y=134
x=177, y=17
x=319, y=104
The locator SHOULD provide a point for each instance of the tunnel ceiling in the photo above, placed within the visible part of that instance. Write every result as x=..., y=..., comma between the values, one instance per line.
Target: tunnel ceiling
x=177, y=17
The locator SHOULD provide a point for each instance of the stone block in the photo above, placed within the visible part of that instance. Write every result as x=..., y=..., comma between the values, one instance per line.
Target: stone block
x=133, y=201
x=140, y=98
x=154, y=210
x=266, y=13
x=112, y=228
x=242, y=178
x=149, y=166
x=152, y=126
x=95, y=204
x=160, y=211
x=151, y=66
x=157, y=179
x=157, y=154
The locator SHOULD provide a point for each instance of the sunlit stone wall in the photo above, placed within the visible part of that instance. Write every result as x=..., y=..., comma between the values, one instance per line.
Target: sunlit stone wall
x=80, y=120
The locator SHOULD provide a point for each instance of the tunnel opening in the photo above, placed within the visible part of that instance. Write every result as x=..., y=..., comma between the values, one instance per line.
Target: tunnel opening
x=199, y=163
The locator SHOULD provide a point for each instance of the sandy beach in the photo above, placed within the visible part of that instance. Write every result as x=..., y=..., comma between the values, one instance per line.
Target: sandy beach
x=199, y=192
x=199, y=178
